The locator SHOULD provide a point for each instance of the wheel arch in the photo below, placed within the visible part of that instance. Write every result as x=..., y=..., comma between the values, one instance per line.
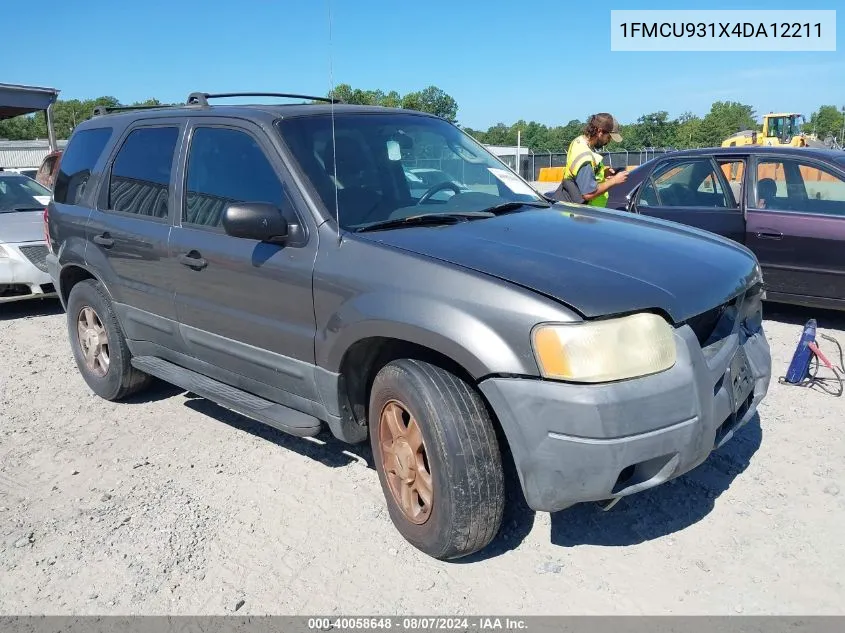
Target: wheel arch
x=72, y=274
x=367, y=356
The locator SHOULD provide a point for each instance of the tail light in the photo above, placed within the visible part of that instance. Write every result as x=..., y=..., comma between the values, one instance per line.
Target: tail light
x=46, y=217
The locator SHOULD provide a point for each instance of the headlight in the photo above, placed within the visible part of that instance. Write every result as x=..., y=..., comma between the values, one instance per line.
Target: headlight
x=601, y=351
x=3, y=254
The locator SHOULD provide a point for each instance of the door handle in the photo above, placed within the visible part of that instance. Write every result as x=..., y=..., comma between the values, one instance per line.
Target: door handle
x=104, y=240
x=770, y=235
x=193, y=260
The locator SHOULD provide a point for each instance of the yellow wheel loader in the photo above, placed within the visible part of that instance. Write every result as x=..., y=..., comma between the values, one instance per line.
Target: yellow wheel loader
x=779, y=129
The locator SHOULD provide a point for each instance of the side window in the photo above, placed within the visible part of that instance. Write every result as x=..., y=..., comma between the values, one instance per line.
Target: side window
x=794, y=185
x=648, y=197
x=691, y=183
x=709, y=184
x=733, y=172
x=226, y=165
x=140, y=176
x=76, y=164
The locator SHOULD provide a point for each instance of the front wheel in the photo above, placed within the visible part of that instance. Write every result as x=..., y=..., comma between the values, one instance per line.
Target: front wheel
x=98, y=344
x=437, y=458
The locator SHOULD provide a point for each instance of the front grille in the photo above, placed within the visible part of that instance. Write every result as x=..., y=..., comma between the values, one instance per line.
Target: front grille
x=704, y=324
x=37, y=255
x=14, y=290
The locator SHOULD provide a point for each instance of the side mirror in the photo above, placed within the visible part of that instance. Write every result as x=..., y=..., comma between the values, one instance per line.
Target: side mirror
x=255, y=221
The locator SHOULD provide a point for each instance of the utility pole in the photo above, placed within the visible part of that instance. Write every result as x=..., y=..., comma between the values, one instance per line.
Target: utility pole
x=842, y=138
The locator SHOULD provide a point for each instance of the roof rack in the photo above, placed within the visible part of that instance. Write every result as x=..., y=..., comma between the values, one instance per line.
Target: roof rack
x=201, y=98
x=101, y=109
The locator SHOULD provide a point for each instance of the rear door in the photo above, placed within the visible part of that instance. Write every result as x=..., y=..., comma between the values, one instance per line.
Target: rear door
x=244, y=306
x=130, y=226
x=692, y=190
x=796, y=225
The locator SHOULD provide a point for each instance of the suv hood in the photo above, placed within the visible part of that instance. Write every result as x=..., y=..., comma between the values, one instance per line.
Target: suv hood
x=598, y=262
x=21, y=226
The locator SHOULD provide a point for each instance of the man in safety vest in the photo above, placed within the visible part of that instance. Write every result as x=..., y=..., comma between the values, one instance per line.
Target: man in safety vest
x=584, y=165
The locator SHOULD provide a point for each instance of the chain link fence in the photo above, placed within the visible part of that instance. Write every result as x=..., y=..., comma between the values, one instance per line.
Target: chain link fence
x=531, y=164
x=535, y=161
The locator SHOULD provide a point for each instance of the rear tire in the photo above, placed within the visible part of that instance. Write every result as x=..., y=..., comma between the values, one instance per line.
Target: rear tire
x=98, y=344
x=440, y=468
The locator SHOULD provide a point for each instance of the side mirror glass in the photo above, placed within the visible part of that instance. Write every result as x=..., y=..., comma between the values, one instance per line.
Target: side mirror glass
x=255, y=221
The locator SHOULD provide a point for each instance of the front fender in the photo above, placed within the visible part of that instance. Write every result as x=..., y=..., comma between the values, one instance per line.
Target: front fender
x=476, y=345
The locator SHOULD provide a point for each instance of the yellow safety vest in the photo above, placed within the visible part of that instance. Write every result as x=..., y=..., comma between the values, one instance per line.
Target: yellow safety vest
x=580, y=153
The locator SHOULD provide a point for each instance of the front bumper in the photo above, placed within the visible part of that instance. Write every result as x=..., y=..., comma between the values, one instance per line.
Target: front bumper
x=23, y=272
x=575, y=443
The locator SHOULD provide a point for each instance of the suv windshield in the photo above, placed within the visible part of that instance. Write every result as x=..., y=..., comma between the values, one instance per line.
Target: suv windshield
x=395, y=165
x=19, y=193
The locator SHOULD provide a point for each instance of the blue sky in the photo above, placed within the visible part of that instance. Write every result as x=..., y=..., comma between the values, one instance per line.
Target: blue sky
x=501, y=60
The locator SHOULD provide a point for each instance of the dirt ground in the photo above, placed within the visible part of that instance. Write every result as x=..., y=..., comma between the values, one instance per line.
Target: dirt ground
x=170, y=504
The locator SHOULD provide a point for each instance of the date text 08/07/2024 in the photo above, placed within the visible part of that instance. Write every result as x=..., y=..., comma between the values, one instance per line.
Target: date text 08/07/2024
x=461, y=623
x=721, y=29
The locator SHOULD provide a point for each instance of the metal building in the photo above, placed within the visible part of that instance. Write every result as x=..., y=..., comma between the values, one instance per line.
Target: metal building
x=25, y=154
x=16, y=100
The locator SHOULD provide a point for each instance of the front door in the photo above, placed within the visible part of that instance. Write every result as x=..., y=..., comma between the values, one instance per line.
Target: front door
x=796, y=226
x=243, y=305
x=130, y=226
x=693, y=191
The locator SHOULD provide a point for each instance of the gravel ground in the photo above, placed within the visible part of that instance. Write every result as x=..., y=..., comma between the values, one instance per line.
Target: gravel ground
x=170, y=504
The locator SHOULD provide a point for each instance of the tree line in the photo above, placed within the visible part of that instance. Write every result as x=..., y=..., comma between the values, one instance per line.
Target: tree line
x=656, y=129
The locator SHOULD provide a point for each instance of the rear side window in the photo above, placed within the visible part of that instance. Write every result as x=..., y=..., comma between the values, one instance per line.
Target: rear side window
x=76, y=164
x=140, y=176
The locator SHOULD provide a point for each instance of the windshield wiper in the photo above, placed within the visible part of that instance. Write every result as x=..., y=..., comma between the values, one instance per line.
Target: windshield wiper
x=24, y=207
x=507, y=207
x=430, y=219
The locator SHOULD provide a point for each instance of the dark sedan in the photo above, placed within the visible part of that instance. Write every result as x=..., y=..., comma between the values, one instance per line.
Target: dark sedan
x=785, y=204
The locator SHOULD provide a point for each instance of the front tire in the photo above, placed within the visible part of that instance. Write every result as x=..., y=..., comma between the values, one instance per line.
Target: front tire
x=437, y=459
x=98, y=344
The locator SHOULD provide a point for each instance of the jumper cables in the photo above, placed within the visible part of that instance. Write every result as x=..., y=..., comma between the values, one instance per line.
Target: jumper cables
x=804, y=367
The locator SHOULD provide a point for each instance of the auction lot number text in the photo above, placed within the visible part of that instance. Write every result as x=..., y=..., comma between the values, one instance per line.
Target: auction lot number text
x=416, y=623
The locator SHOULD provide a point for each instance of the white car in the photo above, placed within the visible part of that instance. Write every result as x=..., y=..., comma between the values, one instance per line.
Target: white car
x=23, y=252
x=29, y=172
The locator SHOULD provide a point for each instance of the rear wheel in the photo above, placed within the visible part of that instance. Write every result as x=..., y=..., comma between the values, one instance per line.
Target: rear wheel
x=98, y=344
x=437, y=458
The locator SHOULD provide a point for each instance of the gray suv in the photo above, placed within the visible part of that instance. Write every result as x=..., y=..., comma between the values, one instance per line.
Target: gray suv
x=274, y=259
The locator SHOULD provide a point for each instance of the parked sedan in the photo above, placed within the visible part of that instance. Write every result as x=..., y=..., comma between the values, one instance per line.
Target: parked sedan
x=23, y=269
x=786, y=204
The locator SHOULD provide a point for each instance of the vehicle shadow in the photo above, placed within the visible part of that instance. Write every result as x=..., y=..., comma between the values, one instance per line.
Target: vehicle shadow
x=799, y=315
x=30, y=308
x=665, y=509
x=324, y=448
x=649, y=515
x=158, y=390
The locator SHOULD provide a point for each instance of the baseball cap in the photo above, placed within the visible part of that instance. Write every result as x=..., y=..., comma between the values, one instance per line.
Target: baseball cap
x=614, y=130
x=608, y=123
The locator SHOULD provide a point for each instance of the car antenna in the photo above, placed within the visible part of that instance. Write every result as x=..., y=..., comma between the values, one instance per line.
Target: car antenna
x=334, y=143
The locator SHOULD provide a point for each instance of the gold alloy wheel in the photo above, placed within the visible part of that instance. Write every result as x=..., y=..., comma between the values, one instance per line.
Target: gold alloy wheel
x=93, y=341
x=405, y=463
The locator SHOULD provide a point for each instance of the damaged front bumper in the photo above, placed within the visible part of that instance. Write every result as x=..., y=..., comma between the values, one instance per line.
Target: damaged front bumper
x=573, y=443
